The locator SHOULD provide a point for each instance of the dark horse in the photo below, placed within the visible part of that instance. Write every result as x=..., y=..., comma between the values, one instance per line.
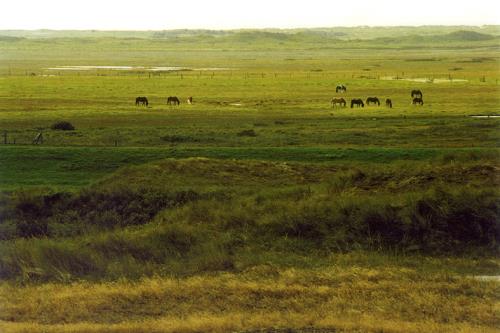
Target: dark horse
x=336, y=101
x=141, y=101
x=418, y=100
x=372, y=100
x=340, y=89
x=416, y=93
x=173, y=100
x=388, y=103
x=358, y=102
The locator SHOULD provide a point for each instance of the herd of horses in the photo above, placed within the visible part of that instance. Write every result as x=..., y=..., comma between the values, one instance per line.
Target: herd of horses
x=171, y=100
x=358, y=102
x=416, y=95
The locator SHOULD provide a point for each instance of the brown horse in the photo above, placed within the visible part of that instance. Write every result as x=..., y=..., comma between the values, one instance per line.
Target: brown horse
x=388, y=103
x=189, y=100
x=173, y=100
x=358, y=102
x=341, y=88
x=372, y=100
x=336, y=101
x=141, y=101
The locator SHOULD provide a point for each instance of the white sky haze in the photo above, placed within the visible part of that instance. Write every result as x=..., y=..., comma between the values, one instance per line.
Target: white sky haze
x=227, y=14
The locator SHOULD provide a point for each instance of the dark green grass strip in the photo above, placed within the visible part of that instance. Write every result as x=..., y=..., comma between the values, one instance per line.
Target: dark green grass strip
x=78, y=166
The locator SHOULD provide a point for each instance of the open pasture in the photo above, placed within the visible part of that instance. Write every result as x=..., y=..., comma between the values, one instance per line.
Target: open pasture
x=283, y=109
x=269, y=98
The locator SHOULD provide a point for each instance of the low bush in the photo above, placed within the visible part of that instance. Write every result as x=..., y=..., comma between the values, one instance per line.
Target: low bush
x=178, y=138
x=63, y=126
x=66, y=214
x=247, y=133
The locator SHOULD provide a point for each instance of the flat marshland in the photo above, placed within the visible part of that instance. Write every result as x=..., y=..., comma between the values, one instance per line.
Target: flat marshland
x=259, y=207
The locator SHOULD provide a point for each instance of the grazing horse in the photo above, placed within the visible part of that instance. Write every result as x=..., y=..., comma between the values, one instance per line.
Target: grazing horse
x=358, y=102
x=341, y=88
x=336, y=101
x=418, y=100
x=189, y=100
x=416, y=93
x=141, y=101
x=173, y=100
x=388, y=103
x=372, y=100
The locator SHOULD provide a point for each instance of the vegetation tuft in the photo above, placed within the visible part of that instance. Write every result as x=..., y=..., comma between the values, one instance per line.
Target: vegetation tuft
x=63, y=126
x=247, y=133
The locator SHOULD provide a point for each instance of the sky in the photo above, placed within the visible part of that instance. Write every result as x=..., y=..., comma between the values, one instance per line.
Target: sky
x=237, y=14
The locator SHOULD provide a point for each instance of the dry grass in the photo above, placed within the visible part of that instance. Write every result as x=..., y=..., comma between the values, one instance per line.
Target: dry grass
x=352, y=299
x=241, y=322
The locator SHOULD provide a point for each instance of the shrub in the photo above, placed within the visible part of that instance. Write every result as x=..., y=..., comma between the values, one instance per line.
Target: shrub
x=63, y=126
x=65, y=214
x=178, y=138
x=247, y=133
x=30, y=215
x=345, y=180
x=436, y=221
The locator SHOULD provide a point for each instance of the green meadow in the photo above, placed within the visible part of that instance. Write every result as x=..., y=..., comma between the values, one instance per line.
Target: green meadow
x=260, y=207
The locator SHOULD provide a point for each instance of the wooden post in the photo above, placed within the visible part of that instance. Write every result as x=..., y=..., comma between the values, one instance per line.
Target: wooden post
x=38, y=139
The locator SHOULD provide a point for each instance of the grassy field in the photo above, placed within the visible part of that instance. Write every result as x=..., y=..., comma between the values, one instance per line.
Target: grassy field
x=258, y=208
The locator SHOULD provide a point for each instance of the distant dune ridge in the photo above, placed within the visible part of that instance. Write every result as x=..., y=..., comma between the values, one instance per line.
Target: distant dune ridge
x=428, y=33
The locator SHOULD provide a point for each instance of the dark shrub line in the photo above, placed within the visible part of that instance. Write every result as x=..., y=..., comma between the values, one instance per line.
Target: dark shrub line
x=66, y=214
x=438, y=221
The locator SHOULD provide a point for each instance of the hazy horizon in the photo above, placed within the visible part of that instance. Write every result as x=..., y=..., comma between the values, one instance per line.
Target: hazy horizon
x=235, y=15
x=266, y=28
